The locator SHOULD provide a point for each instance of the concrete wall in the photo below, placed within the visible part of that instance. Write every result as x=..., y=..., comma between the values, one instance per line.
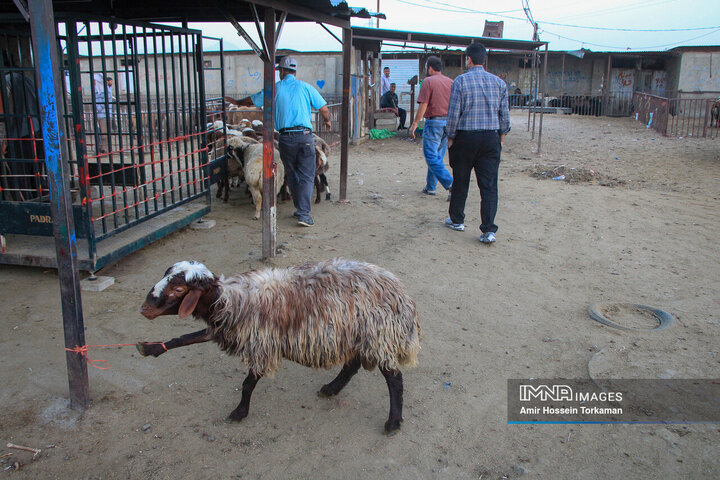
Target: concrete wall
x=244, y=73
x=577, y=78
x=699, y=75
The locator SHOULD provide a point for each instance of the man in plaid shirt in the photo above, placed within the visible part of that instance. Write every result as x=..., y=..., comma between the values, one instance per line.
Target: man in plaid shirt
x=478, y=120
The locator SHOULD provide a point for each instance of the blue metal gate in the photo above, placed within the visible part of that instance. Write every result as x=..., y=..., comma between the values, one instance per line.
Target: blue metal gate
x=135, y=138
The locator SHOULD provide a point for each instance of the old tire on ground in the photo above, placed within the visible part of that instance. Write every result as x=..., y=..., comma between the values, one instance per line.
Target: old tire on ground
x=664, y=319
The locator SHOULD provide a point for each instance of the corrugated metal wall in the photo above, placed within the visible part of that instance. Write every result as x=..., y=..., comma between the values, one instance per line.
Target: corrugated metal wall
x=400, y=72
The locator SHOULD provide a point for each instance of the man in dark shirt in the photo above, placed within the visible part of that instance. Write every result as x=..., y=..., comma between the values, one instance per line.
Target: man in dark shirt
x=478, y=120
x=390, y=100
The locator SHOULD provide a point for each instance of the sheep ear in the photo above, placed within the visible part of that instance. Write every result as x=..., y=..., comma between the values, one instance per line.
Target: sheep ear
x=189, y=303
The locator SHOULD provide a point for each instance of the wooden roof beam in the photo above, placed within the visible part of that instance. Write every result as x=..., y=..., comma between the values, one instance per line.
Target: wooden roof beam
x=309, y=14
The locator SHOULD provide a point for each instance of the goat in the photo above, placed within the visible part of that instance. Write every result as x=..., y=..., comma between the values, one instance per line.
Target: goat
x=318, y=315
x=236, y=114
x=249, y=154
x=235, y=165
x=322, y=151
x=715, y=113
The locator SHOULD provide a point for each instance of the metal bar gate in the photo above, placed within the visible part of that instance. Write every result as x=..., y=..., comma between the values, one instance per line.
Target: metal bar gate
x=135, y=137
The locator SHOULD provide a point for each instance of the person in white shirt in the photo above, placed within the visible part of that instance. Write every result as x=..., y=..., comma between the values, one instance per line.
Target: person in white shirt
x=385, y=81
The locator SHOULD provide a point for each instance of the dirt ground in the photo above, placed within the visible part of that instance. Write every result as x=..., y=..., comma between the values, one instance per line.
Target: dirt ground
x=637, y=224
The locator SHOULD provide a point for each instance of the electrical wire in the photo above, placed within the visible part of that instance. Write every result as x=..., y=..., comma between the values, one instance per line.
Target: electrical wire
x=471, y=10
x=618, y=9
x=633, y=29
x=530, y=17
x=632, y=48
x=460, y=11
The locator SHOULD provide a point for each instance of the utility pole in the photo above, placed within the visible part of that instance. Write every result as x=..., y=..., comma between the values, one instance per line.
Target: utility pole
x=377, y=25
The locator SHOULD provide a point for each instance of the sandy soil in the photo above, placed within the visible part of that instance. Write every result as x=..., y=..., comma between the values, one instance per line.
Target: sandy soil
x=516, y=309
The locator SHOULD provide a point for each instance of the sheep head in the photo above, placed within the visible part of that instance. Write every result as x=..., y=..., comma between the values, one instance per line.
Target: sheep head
x=236, y=147
x=180, y=291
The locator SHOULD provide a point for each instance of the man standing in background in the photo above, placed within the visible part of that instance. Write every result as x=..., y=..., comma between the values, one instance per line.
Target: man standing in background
x=103, y=111
x=294, y=101
x=385, y=81
x=478, y=120
x=434, y=98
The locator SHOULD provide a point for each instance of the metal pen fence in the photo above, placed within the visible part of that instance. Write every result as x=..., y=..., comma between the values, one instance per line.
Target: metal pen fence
x=134, y=152
x=614, y=104
x=333, y=135
x=679, y=117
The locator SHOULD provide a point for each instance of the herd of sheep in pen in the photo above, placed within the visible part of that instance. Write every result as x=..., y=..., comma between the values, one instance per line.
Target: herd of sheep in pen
x=244, y=154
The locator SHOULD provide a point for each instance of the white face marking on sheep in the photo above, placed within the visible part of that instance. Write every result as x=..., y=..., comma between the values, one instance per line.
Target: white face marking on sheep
x=192, y=271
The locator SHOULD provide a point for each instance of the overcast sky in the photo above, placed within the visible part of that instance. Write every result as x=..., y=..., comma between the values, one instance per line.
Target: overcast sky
x=691, y=18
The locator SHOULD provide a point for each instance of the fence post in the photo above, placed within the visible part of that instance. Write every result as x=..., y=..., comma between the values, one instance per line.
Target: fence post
x=269, y=212
x=708, y=106
x=49, y=86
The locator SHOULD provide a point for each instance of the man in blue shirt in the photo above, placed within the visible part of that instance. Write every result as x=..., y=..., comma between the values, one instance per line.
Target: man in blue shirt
x=477, y=122
x=294, y=101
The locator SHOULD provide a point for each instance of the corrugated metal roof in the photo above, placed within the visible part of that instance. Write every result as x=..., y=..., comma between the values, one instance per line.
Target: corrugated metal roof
x=379, y=34
x=197, y=11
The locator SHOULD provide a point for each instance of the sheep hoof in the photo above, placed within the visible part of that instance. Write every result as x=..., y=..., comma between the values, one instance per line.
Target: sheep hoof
x=327, y=391
x=392, y=426
x=147, y=349
x=237, y=415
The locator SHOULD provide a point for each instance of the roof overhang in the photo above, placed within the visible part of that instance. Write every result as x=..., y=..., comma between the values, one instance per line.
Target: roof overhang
x=373, y=37
x=332, y=12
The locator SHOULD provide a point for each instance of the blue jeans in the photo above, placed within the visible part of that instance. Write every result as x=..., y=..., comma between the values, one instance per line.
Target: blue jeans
x=297, y=152
x=435, y=144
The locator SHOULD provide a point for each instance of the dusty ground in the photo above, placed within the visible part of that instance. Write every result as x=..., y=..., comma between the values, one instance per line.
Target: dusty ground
x=512, y=310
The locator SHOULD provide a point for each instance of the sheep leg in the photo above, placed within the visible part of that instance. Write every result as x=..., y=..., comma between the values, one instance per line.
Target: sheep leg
x=158, y=348
x=257, y=199
x=220, y=184
x=318, y=188
x=393, y=378
x=324, y=181
x=347, y=372
x=247, y=389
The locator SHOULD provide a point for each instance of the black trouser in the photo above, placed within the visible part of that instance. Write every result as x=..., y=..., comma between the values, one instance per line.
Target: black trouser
x=403, y=115
x=479, y=151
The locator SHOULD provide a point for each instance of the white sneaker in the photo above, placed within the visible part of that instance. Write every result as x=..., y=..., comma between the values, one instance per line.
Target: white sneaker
x=488, y=237
x=460, y=227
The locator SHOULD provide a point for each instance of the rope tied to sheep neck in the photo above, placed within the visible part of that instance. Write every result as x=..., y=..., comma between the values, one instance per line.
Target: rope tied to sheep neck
x=83, y=350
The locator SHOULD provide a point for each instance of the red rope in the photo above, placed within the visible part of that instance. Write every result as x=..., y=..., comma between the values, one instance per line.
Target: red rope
x=84, y=350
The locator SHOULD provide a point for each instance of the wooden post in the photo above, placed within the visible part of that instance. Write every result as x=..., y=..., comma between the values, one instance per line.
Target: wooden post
x=373, y=93
x=345, y=129
x=50, y=91
x=533, y=87
x=412, y=103
x=606, y=85
x=367, y=74
x=542, y=107
x=269, y=212
x=533, y=82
